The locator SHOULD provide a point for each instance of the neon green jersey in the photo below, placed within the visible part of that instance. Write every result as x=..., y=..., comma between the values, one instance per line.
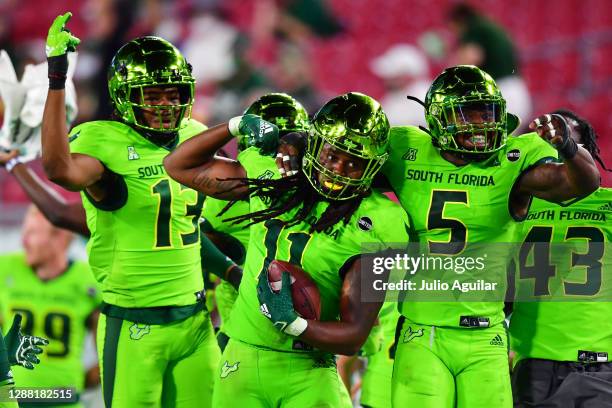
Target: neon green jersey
x=235, y=239
x=57, y=310
x=451, y=205
x=378, y=221
x=144, y=244
x=237, y=234
x=557, y=330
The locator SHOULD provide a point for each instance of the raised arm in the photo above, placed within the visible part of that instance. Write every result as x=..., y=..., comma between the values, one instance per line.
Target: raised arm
x=72, y=171
x=55, y=208
x=194, y=164
x=576, y=176
x=339, y=337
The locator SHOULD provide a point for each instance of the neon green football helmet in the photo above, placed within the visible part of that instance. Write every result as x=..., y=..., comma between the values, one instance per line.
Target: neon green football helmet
x=150, y=62
x=281, y=109
x=465, y=101
x=355, y=124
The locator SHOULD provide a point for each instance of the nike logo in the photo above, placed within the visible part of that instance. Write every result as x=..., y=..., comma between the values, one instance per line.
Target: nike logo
x=228, y=369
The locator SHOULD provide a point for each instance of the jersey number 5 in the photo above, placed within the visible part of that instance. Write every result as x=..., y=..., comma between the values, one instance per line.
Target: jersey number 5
x=436, y=220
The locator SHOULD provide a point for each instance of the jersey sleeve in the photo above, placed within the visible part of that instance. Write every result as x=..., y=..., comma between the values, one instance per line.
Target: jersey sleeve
x=88, y=138
x=257, y=165
x=533, y=150
x=192, y=129
x=392, y=224
x=212, y=207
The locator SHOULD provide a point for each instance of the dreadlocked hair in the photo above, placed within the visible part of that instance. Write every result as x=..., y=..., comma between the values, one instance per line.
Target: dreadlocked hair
x=287, y=193
x=587, y=133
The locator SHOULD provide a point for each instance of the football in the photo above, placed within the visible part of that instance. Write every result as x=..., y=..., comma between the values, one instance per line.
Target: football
x=304, y=291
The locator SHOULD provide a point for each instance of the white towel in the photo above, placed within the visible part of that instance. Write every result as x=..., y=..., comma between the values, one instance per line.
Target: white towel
x=24, y=102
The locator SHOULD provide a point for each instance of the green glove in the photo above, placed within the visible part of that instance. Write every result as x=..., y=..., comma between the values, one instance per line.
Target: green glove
x=278, y=307
x=22, y=349
x=60, y=40
x=252, y=130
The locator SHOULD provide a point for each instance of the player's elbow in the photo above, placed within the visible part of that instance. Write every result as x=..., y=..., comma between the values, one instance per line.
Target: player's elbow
x=172, y=168
x=352, y=346
x=55, y=170
x=61, y=177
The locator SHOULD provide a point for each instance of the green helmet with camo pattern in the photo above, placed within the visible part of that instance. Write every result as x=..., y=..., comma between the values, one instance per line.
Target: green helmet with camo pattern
x=355, y=124
x=453, y=99
x=281, y=109
x=150, y=62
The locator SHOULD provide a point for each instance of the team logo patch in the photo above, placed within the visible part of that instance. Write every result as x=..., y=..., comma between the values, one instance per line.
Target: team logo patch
x=513, y=155
x=410, y=154
x=409, y=334
x=132, y=155
x=138, y=331
x=228, y=369
x=497, y=341
x=365, y=223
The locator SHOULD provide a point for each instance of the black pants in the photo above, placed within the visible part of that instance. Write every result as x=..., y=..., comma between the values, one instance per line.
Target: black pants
x=559, y=384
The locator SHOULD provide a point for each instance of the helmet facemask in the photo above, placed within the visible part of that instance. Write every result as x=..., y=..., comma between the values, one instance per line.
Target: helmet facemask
x=468, y=127
x=466, y=113
x=173, y=113
x=359, y=129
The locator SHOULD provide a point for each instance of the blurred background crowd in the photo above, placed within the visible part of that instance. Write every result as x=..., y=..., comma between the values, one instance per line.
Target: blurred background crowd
x=545, y=54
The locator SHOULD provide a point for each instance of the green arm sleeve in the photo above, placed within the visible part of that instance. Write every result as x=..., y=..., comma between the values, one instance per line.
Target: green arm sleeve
x=214, y=261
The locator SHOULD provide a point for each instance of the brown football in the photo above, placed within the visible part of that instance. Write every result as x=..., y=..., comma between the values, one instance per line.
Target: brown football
x=304, y=291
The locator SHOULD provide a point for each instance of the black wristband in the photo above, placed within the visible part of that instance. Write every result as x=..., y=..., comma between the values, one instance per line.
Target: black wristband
x=57, y=69
x=569, y=149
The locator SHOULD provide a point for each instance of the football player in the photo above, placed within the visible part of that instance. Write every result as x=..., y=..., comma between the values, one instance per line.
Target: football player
x=58, y=299
x=564, y=348
x=232, y=239
x=156, y=344
x=317, y=219
x=463, y=181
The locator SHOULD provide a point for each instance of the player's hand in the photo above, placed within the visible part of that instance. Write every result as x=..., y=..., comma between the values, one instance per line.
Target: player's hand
x=22, y=348
x=252, y=130
x=289, y=153
x=278, y=307
x=555, y=130
x=6, y=155
x=60, y=40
